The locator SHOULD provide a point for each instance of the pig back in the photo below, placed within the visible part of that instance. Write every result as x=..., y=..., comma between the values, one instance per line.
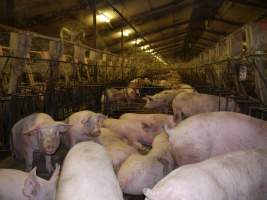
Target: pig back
x=87, y=165
x=204, y=135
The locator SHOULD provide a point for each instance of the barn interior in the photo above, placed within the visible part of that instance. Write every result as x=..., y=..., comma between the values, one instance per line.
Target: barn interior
x=114, y=57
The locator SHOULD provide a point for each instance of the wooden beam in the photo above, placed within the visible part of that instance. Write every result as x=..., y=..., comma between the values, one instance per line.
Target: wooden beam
x=144, y=17
x=230, y=22
x=262, y=6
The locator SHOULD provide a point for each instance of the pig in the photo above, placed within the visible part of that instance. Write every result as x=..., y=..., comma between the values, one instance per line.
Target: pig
x=139, y=82
x=36, y=132
x=209, y=134
x=186, y=104
x=142, y=171
x=19, y=185
x=240, y=175
x=116, y=96
x=84, y=126
x=162, y=101
x=136, y=132
x=157, y=120
x=117, y=149
x=87, y=173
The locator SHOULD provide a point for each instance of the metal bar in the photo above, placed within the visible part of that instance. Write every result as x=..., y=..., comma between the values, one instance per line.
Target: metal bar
x=94, y=23
x=126, y=21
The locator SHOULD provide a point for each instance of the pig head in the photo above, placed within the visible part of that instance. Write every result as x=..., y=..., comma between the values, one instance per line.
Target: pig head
x=93, y=124
x=39, y=189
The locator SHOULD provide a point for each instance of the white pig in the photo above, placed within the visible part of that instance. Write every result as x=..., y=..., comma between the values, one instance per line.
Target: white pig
x=157, y=120
x=119, y=96
x=136, y=132
x=238, y=175
x=187, y=104
x=205, y=135
x=142, y=171
x=36, y=132
x=162, y=101
x=87, y=173
x=19, y=185
x=85, y=125
x=117, y=149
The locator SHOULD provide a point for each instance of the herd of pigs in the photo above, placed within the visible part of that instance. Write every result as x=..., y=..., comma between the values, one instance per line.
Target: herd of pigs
x=206, y=150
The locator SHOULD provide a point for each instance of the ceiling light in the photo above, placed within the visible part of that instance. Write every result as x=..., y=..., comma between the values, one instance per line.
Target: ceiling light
x=144, y=47
x=103, y=18
x=126, y=33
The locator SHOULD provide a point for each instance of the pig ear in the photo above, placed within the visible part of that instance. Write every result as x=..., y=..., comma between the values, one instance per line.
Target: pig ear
x=62, y=127
x=167, y=130
x=33, y=130
x=84, y=121
x=55, y=176
x=149, y=127
x=101, y=117
x=31, y=185
x=146, y=127
x=150, y=194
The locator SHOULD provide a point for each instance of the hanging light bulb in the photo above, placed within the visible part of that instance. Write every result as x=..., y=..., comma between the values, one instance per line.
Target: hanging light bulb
x=103, y=18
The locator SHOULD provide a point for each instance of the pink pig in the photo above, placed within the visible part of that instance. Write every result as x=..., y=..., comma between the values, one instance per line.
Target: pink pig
x=19, y=185
x=209, y=134
x=37, y=132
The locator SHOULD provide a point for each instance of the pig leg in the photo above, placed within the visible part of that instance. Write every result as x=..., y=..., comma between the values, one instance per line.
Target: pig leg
x=28, y=160
x=48, y=164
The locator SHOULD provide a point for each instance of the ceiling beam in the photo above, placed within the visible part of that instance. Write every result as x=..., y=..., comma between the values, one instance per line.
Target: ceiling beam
x=139, y=34
x=230, y=22
x=154, y=14
x=215, y=32
x=169, y=46
x=262, y=6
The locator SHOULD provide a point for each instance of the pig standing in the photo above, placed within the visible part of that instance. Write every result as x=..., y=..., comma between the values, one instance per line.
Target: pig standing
x=19, y=185
x=85, y=125
x=238, y=175
x=142, y=171
x=161, y=101
x=117, y=149
x=136, y=132
x=37, y=132
x=139, y=82
x=115, y=96
x=205, y=135
x=87, y=173
x=187, y=104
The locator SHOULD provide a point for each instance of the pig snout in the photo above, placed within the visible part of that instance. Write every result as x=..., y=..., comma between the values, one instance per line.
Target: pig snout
x=50, y=146
x=50, y=149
